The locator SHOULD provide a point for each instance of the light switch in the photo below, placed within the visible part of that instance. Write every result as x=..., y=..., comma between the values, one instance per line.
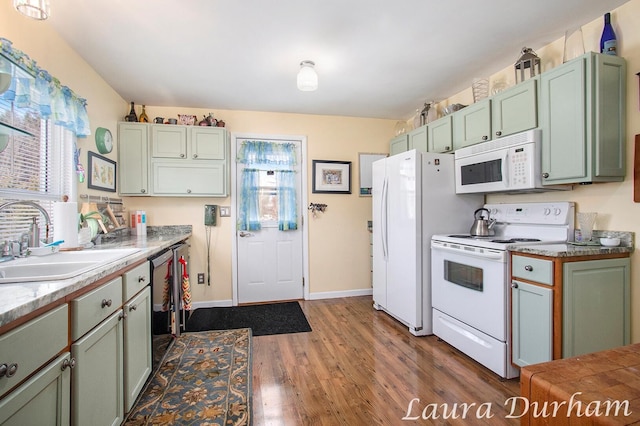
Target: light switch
x=225, y=211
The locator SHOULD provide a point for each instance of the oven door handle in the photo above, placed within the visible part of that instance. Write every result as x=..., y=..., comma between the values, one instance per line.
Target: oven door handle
x=490, y=255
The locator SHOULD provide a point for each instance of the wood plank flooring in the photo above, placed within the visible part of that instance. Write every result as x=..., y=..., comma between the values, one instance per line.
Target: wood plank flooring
x=361, y=367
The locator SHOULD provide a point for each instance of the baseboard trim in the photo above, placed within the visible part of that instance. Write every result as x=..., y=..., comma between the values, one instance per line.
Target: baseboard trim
x=312, y=296
x=340, y=294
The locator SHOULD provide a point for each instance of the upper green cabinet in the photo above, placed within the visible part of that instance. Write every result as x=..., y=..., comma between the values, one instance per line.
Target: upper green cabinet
x=515, y=109
x=582, y=117
x=417, y=139
x=472, y=124
x=399, y=144
x=133, y=154
x=441, y=135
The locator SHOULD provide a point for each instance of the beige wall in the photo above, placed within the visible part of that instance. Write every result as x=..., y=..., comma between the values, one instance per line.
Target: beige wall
x=338, y=240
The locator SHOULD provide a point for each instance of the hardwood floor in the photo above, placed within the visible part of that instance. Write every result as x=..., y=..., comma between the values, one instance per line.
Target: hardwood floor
x=361, y=367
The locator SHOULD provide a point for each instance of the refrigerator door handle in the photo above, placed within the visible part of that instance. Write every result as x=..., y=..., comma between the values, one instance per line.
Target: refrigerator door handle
x=384, y=208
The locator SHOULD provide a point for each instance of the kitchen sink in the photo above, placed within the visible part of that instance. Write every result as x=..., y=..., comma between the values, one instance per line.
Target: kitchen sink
x=59, y=265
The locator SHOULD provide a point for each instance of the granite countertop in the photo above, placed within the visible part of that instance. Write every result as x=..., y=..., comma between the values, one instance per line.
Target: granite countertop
x=19, y=299
x=575, y=249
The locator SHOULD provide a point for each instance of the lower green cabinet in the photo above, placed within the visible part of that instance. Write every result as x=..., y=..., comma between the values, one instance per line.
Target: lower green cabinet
x=597, y=307
x=532, y=331
x=42, y=400
x=97, y=380
x=137, y=345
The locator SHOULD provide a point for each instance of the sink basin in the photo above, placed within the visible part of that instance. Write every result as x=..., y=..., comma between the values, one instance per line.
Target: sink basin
x=59, y=265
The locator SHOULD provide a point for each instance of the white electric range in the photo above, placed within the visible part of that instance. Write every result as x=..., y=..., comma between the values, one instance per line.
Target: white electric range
x=470, y=278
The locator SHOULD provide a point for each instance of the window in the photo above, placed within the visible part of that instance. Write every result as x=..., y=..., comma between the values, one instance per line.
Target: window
x=36, y=164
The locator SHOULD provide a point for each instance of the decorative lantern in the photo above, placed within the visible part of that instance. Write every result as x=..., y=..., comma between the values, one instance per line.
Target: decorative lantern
x=527, y=66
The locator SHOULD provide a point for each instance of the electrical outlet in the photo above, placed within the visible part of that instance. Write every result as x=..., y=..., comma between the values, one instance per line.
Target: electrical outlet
x=201, y=278
x=225, y=211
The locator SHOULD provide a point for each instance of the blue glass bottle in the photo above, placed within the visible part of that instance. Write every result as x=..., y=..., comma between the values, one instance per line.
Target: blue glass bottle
x=608, y=42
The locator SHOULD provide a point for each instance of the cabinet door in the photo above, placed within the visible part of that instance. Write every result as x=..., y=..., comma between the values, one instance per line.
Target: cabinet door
x=168, y=141
x=137, y=345
x=133, y=157
x=441, y=135
x=515, y=110
x=472, y=124
x=418, y=139
x=563, y=123
x=42, y=400
x=531, y=323
x=190, y=179
x=398, y=144
x=596, y=306
x=208, y=143
x=97, y=379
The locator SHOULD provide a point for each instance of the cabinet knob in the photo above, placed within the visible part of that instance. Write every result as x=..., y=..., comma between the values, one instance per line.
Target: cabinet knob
x=498, y=133
x=142, y=279
x=545, y=175
x=68, y=363
x=188, y=191
x=133, y=307
x=195, y=155
x=11, y=369
x=143, y=190
x=3, y=370
x=528, y=268
x=514, y=285
x=485, y=138
x=447, y=148
x=182, y=156
x=106, y=303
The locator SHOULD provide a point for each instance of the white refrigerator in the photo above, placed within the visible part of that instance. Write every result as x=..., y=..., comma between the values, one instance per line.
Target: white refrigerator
x=414, y=197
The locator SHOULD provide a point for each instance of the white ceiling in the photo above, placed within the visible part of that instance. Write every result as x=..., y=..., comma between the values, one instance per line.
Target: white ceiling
x=375, y=58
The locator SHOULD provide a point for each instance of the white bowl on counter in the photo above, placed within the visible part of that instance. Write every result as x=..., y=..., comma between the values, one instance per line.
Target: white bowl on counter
x=610, y=242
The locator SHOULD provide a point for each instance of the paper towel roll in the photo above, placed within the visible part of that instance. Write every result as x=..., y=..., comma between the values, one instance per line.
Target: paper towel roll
x=65, y=224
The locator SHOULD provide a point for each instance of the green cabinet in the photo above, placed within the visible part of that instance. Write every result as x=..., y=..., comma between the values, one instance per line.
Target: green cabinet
x=515, y=109
x=137, y=345
x=399, y=144
x=417, y=139
x=582, y=117
x=42, y=400
x=168, y=141
x=133, y=159
x=97, y=380
x=208, y=143
x=531, y=330
x=568, y=306
x=596, y=299
x=472, y=124
x=441, y=135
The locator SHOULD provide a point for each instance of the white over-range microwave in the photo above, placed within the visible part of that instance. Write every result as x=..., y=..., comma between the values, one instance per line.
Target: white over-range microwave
x=508, y=164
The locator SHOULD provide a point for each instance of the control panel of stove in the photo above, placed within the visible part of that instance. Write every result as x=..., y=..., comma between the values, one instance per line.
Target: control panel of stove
x=552, y=213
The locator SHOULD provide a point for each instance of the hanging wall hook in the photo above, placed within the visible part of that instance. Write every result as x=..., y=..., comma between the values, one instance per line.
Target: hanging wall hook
x=315, y=208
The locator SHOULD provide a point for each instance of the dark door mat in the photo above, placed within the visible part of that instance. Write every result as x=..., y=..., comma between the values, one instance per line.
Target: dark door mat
x=263, y=320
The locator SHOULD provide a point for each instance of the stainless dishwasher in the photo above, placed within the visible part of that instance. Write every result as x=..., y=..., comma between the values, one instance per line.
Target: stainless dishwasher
x=168, y=318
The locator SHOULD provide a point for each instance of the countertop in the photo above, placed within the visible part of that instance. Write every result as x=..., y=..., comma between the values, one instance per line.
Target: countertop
x=572, y=250
x=19, y=299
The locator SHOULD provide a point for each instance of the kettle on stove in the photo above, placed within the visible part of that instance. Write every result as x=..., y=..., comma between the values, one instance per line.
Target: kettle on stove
x=482, y=227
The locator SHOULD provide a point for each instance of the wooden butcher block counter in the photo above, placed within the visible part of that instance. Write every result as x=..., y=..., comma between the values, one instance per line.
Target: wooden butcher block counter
x=584, y=387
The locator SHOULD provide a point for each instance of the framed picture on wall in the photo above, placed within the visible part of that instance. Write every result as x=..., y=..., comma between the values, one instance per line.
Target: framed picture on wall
x=333, y=177
x=102, y=173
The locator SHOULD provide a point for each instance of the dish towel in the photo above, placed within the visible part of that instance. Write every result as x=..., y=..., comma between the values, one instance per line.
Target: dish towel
x=186, y=287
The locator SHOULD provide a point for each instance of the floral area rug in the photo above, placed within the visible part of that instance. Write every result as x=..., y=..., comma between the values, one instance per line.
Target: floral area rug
x=204, y=379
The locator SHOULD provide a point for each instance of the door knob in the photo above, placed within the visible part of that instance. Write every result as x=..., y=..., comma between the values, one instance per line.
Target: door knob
x=246, y=234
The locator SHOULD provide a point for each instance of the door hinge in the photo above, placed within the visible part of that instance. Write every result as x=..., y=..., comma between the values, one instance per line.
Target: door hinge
x=303, y=282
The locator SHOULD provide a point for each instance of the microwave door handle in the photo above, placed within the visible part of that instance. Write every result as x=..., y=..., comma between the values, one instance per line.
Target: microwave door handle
x=505, y=169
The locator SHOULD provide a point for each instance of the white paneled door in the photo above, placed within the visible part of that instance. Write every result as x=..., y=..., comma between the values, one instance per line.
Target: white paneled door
x=269, y=261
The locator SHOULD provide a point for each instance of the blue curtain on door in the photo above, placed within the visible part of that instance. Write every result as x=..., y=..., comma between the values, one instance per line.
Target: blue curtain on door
x=264, y=155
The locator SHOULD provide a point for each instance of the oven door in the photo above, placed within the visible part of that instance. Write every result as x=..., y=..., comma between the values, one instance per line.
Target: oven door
x=470, y=285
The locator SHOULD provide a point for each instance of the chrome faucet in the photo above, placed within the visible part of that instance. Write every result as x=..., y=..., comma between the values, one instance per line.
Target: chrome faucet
x=8, y=251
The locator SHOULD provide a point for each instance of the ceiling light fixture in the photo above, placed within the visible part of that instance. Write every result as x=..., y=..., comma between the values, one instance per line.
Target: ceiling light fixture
x=35, y=9
x=307, y=77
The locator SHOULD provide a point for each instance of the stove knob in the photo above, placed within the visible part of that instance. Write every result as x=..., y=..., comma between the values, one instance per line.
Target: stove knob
x=557, y=211
x=493, y=212
x=547, y=211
